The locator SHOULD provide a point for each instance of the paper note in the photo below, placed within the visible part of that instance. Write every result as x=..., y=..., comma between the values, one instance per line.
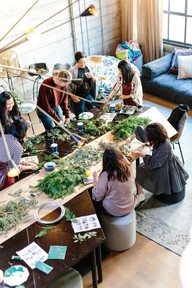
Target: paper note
x=31, y=254
x=108, y=117
x=86, y=223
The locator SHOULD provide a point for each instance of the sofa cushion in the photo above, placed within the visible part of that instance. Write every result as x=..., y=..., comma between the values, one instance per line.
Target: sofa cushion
x=157, y=67
x=184, y=67
x=168, y=87
x=179, y=52
x=105, y=69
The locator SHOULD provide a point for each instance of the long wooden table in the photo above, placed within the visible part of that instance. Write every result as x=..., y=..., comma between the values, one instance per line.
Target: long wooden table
x=79, y=202
x=23, y=185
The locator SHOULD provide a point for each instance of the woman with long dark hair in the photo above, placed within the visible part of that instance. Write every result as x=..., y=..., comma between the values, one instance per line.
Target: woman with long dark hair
x=162, y=172
x=9, y=111
x=114, y=188
x=128, y=81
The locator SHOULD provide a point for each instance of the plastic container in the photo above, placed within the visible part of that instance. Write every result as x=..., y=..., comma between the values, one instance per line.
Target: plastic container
x=49, y=166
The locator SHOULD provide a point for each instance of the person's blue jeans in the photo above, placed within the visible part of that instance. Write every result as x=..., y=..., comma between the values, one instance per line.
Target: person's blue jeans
x=81, y=106
x=47, y=122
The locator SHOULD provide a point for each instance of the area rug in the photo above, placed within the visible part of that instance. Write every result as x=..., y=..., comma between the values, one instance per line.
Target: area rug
x=169, y=225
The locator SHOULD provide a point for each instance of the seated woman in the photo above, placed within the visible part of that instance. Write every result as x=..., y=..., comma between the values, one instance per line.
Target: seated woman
x=54, y=102
x=9, y=111
x=162, y=172
x=129, y=82
x=87, y=89
x=16, y=133
x=114, y=188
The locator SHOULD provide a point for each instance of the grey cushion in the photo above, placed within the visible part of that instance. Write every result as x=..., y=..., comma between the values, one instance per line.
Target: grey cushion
x=168, y=87
x=157, y=67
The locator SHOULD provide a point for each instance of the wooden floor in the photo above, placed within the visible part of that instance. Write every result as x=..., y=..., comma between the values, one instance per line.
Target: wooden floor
x=146, y=264
x=163, y=102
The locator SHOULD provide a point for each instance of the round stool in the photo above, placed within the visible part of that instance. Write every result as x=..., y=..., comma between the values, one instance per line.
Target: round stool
x=171, y=198
x=120, y=232
x=70, y=279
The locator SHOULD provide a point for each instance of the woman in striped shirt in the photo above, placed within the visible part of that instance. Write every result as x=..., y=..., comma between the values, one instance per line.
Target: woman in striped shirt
x=15, y=135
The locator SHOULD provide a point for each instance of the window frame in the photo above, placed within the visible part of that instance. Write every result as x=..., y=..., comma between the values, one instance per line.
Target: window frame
x=168, y=12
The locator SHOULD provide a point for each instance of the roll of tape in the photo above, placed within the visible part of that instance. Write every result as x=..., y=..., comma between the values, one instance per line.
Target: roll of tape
x=48, y=204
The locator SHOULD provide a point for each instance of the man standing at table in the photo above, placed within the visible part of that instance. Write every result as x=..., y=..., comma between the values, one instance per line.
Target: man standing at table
x=54, y=102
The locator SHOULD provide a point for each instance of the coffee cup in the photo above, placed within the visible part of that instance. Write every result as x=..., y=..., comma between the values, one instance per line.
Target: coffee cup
x=112, y=108
x=54, y=148
x=80, y=127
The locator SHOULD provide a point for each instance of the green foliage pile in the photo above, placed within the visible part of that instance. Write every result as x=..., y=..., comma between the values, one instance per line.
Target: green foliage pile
x=31, y=142
x=62, y=182
x=96, y=127
x=126, y=127
x=12, y=213
x=85, y=156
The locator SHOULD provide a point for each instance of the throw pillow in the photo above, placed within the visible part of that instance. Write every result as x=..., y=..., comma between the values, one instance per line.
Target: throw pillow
x=179, y=52
x=184, y=67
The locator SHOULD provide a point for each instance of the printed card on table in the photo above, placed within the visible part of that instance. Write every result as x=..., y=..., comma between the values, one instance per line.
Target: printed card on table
x=86, y=223
x=31, y=254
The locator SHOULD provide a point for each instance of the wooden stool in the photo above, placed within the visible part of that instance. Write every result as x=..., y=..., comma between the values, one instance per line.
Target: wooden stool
x=120, y=232
x=70, y=279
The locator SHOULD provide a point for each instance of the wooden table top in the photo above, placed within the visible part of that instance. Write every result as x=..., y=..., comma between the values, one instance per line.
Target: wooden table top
x=63, y=234
x=23, y=185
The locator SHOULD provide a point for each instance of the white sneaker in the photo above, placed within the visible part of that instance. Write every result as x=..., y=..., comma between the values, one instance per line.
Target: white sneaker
x=140, y=198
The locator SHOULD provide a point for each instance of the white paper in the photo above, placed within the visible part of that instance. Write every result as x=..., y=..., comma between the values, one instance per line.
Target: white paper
x=32, y=253
x=86, y=223
x=30, y=159
x=108, y=117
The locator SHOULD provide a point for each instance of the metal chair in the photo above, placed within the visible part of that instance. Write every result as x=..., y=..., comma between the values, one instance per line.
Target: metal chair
x=39, y=68
x=178, y=119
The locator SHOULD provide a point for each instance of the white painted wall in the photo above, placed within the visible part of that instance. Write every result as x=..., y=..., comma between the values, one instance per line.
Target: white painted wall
x=94, y=35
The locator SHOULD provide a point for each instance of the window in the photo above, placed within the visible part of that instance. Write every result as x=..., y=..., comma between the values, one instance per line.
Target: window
x=177, y=22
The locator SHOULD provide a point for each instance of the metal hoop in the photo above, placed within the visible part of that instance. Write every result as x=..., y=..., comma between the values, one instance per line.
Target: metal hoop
x=47, y=204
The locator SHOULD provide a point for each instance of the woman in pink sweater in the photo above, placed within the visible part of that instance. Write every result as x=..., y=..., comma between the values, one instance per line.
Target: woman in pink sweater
x=114, y=188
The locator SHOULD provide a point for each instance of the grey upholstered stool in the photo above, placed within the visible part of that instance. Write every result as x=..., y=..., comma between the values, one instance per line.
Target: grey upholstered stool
x=70, y=279
x=120, y=232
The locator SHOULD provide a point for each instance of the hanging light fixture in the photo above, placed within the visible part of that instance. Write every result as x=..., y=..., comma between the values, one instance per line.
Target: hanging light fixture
x=90, y=11
x=13, y=169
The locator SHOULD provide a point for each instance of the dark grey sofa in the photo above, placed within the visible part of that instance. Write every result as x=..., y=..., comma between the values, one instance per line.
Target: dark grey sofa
x=157, y=80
